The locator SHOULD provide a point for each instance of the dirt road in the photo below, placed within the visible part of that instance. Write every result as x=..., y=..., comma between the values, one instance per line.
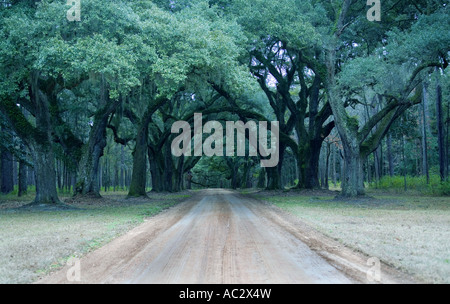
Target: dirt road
x=219, y=236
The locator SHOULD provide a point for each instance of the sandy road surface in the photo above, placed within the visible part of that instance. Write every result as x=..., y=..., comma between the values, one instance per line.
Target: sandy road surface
x=219, y=236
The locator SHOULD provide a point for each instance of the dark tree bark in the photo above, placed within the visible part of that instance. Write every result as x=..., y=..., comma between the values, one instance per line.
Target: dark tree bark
x=376, y=163
x=334, y=166
x=353, y=178
x=122, y=168
x=273, y=179
x=178, y=175
x=168, y=169
x=312, y=165
x=45, y=175
x=88, y=168
x=390, y=157
x=404, y=163
x=327, y=166
x=424, y=137
x=23, y=180
x=274, y=174
x=43, y=154
x=440, y=127
x=38, y=137
x=447, y=157
x=7, y=179
x=262, y=179
x=189, y=182
x=139, y=176
x=92, y=151
x=155, y=170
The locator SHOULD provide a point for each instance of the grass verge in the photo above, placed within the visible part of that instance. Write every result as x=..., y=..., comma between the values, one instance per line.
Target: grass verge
x=34, y=243
x=409, y=233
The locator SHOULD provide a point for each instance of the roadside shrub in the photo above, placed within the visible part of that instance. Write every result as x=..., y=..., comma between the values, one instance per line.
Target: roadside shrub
x=415, y=183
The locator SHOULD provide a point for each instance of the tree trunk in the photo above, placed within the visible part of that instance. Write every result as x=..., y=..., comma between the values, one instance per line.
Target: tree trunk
x=334, y=166
x=274, y=174
x=168, y=166
x=262, y=179
x=381, y=158
x=100, y=176
x=88, y=183
x=116, y=177
x=404, y=163
x=30, y=176
x=327, y=167
x=274, y=179
x=23, y=183
x=447, y=143
x=139, y=177
x=189, y=181
x=322, y=169
x=353, y=179
x=178, y=175
x=122, y=169
x=58, y=174
x=376, y=166
x=425, y=167
x=390, y=157
x=43, y=154
x=245, y=183
x=92, y=151
x=312, y=166
x=39, y=138
x=7, y=178
x=440, y=128
x=45, y=175
x=155, y=171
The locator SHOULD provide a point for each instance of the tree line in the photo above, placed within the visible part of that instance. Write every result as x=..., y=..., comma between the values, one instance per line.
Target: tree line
x=90, y=104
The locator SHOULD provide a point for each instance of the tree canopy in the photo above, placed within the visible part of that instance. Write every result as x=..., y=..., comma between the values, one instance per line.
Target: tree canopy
x=88, y=92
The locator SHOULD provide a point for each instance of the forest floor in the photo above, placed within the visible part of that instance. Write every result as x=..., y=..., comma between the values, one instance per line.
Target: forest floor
x=221, y=236
x=410, y=233
x=35, y=242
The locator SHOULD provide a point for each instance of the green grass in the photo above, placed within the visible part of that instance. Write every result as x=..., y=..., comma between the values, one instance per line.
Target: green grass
x=29, y=196
x=408, y=232
x=62, y=193
x=35, y=243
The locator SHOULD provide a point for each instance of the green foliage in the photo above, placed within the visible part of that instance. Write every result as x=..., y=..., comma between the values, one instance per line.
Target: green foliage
x=419, y=184
x=212, y=172
x=286, y=20
x=390, y=68
x=428, y=39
